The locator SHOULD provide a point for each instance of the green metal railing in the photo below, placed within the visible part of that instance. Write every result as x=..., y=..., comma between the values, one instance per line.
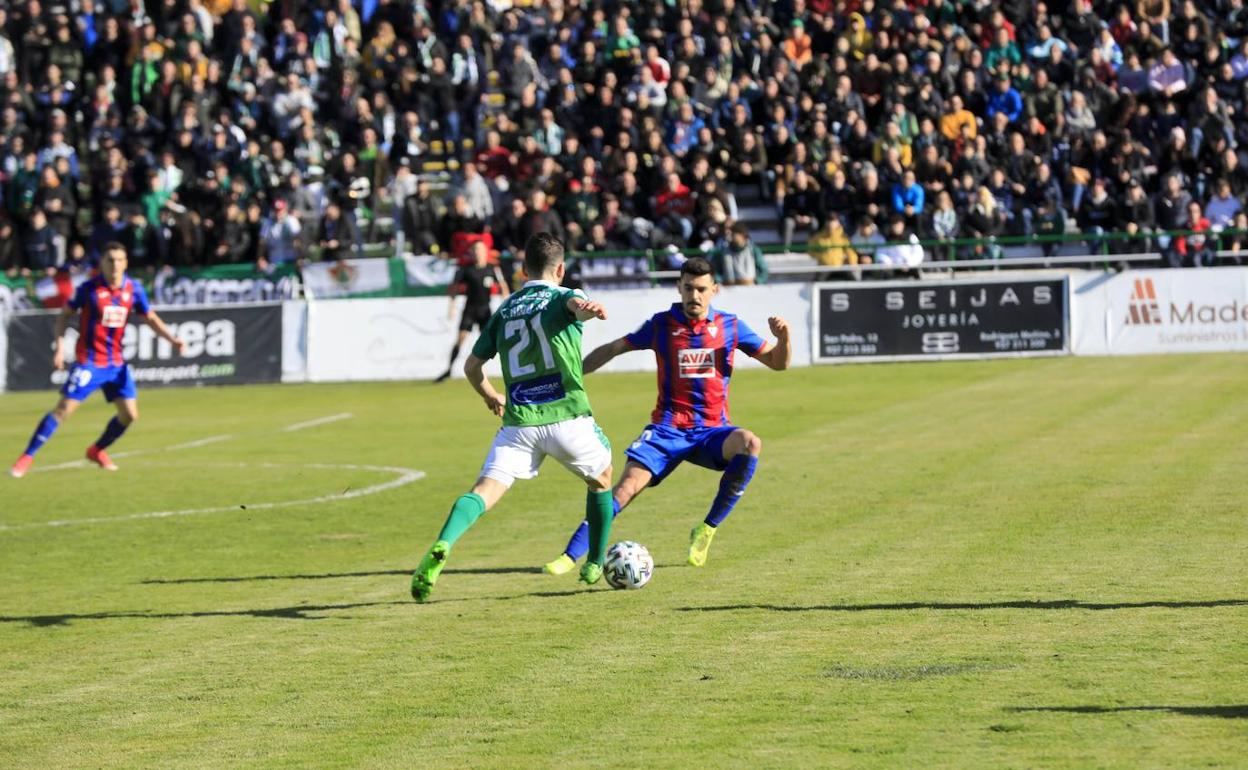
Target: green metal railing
x=949, y=252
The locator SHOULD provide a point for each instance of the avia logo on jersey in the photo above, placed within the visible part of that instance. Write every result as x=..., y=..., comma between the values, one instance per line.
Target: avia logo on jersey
x=215, y=339
x=1142, y=307
x=113, y=316
x=541, y=390
x=696, y=363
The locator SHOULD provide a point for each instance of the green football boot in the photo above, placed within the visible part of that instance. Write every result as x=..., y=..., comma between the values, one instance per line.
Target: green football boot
x=699, y=543
x=591, y=573
x=430, y=567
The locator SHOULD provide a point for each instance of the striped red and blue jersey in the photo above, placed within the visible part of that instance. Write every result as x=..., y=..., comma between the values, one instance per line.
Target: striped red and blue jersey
x=103, y=311
x=695, y=364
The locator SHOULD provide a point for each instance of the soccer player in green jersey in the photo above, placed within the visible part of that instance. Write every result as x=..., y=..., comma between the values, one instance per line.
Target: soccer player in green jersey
x=536, y=333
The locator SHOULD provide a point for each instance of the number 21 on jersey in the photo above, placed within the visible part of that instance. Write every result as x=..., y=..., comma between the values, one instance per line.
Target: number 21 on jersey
x=521, y=328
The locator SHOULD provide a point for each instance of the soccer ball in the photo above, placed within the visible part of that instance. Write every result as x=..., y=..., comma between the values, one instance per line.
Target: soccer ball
x=629, y=565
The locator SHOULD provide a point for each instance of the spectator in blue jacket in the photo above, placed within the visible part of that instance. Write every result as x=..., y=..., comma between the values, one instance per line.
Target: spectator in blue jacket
x=908, y=198
x=682, y=133
x=1005, y=98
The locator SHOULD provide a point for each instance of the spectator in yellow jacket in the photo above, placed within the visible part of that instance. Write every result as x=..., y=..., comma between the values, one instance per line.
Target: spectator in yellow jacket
x=830, y=245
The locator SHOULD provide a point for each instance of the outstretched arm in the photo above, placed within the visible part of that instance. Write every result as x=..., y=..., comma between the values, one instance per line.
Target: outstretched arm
x=779, y=355
x=604, y=353
x=585, y=309
x=158, y=325
x=474, y=370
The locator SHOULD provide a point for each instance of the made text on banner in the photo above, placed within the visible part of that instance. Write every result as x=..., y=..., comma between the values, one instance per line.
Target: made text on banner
x=1162, y=311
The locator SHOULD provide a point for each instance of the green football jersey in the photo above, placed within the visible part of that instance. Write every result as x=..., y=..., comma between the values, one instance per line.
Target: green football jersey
x=538, y=342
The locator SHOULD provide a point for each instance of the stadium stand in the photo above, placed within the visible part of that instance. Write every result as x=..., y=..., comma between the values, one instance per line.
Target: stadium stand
x=209, y=132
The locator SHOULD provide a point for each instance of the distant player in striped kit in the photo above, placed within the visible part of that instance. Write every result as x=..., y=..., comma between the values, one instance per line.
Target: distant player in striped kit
x=693, y=344
x=103, y=303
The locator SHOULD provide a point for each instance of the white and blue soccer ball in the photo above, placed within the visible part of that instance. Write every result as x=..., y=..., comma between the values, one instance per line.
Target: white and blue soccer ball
x=629, y=565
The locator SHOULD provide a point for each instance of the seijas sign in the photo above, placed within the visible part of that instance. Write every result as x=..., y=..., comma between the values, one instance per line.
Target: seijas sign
x=948, y=319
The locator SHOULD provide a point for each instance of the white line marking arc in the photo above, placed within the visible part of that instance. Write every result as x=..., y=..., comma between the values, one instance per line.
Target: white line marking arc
x=405, y=476
x=135, y=453
x=318, y=421
x=201, y=442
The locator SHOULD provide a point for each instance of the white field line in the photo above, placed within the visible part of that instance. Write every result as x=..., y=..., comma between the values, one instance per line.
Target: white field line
x=200, y=442
x=189, y=444
x=135, y=453
x=318, y=421
x=405, y=476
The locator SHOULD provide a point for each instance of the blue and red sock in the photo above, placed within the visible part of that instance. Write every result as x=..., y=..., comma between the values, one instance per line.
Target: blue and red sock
x=111, y=433
x=47, y=426
x=736, y=478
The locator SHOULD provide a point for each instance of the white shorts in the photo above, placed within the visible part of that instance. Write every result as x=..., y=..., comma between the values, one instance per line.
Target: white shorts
x=518, y=450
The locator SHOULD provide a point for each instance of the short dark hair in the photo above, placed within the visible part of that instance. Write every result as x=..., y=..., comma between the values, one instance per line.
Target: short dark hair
x=695, y=267
x=541, y=253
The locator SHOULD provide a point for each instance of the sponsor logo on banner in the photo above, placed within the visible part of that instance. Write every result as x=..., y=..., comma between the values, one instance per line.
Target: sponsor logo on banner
x=1012, y=317
x=343, y=279
x=172, y=288
x=1142, y=307
x=940, y=342
x=1184, y=307
x=429, y=270
x=345, y=275
x=696, y=363
x=1166, y=311
x=223, y=345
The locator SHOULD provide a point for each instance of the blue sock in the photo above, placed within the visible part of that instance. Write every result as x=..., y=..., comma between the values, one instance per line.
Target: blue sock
x=47, y=426
x=736, y=478
x=111, y=433
x=578, y=546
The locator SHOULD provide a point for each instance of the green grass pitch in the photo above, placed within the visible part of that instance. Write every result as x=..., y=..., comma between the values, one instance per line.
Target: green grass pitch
x=999, y=564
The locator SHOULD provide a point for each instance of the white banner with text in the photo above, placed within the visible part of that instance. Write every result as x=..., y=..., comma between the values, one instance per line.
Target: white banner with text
x=1160, y=311
x=410, y=338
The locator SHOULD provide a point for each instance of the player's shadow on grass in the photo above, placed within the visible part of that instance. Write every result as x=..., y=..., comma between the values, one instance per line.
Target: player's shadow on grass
x=1222, y=712
x=332, y=575
x=1056, y=604
x=299, y=612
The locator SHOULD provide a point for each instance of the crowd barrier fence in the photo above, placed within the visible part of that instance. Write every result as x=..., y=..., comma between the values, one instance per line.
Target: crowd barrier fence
x=937, y=317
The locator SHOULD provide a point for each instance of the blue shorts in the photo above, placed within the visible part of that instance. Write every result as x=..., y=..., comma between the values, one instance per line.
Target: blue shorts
x=84, y=379
x=660, y=449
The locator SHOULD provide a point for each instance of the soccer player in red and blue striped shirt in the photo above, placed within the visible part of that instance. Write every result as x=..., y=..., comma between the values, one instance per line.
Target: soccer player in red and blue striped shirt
x=103, y=304
x=693, y=344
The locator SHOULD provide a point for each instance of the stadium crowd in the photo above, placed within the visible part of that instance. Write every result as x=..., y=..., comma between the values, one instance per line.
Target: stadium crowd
x=221, y=131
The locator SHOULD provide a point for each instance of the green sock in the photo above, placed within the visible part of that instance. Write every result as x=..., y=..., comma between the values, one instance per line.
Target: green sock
x=467, y=509
x=599, y=512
